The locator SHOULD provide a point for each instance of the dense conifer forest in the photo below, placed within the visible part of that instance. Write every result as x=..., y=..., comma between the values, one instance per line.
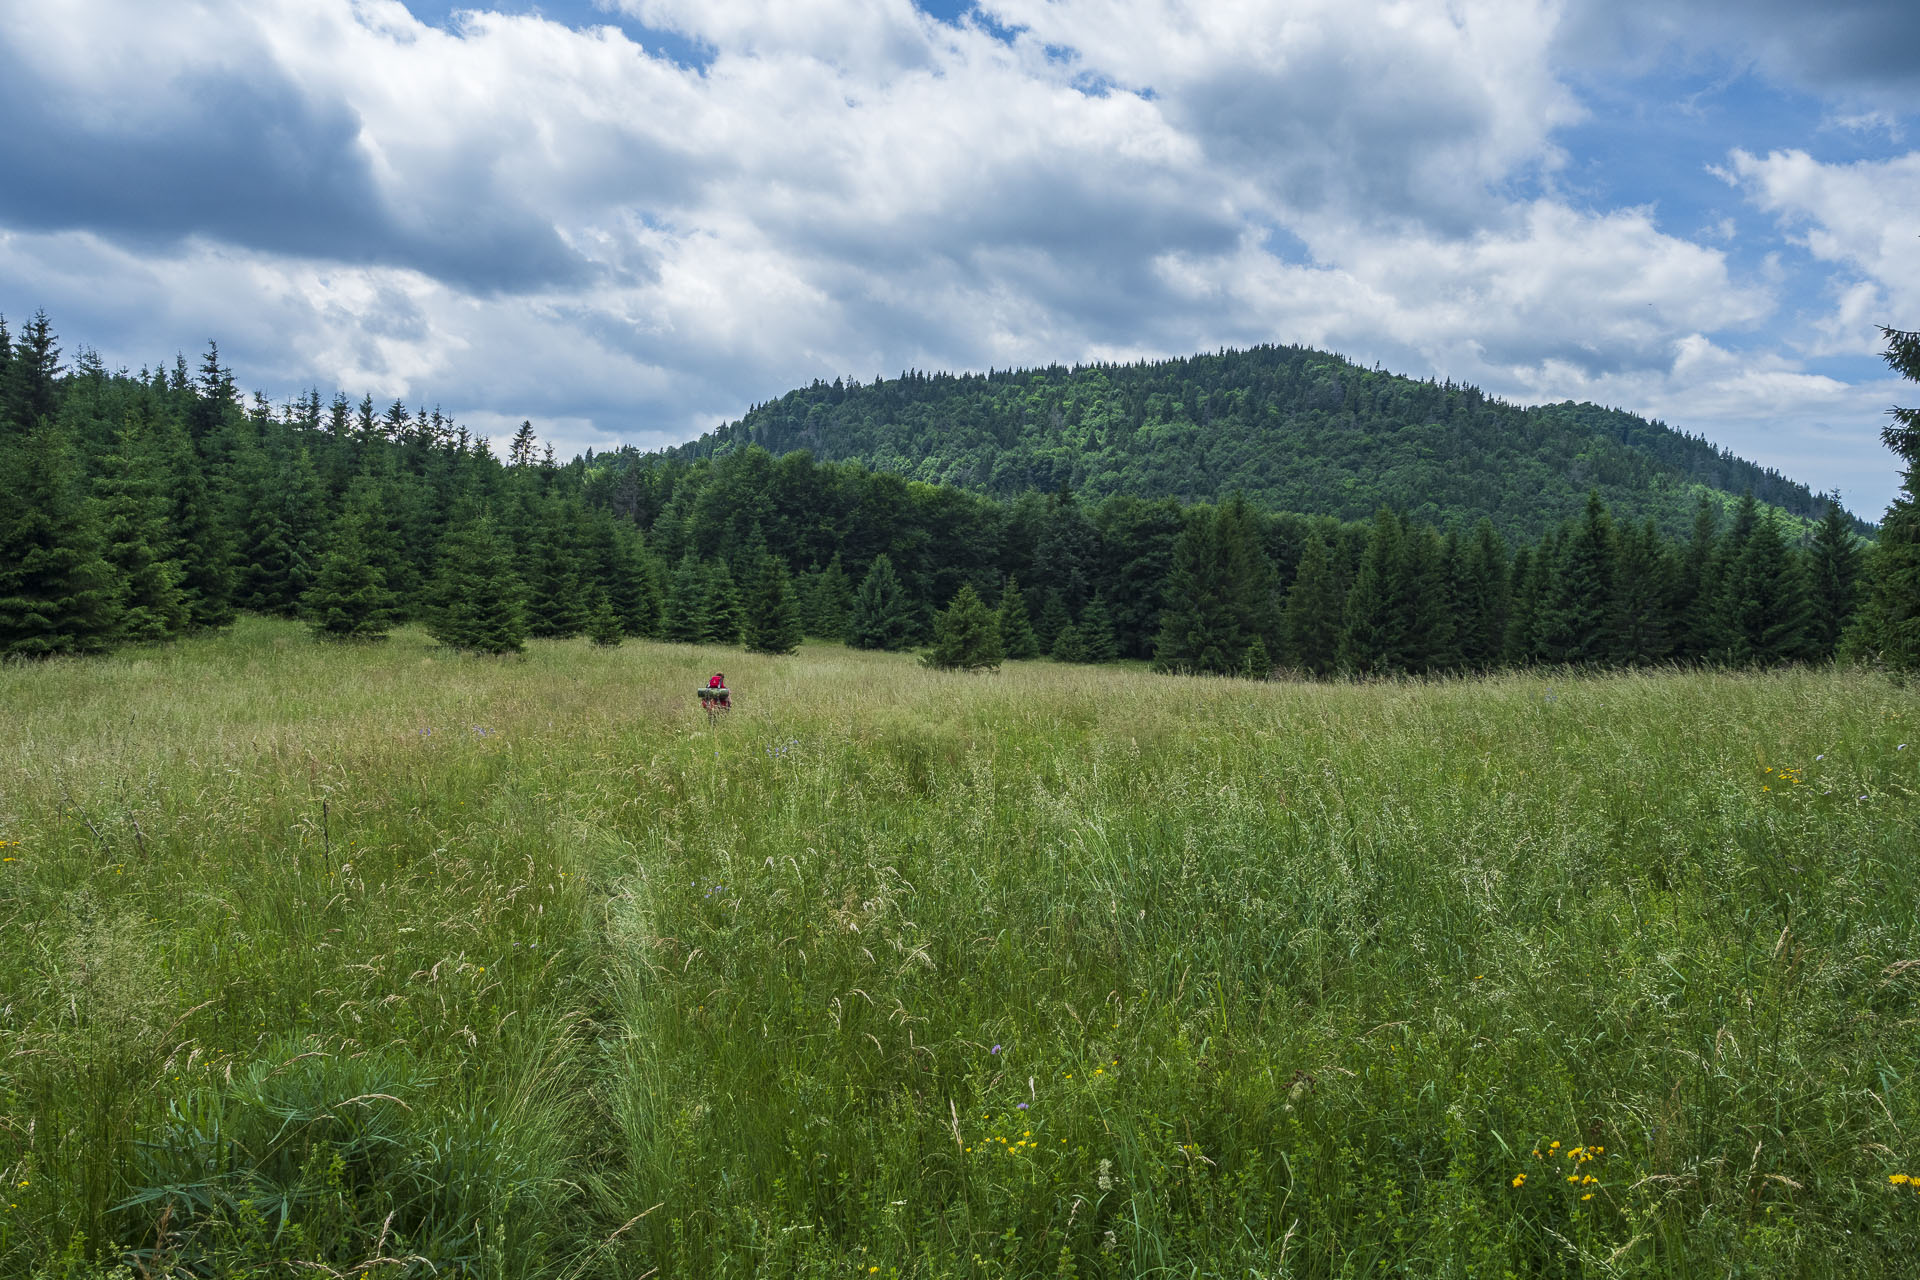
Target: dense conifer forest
x=1293, y=428
x=142, y=505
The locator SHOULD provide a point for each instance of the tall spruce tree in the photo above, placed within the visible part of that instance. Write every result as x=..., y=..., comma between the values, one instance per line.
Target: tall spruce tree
x=1017, y=640
x=966, y=635
x=1054, y=617
x=1484, y=593
x=1423, y=626
x=636, y=593
x=349, y=599
x=1096, y=630
x=1370, y=632
x=57, y=594
x=1312, y=619
x=1645, y=594
x=478, y=603
x=830, y=602
x=882, y=614
x=1833, y=571
x=1765, y=609
x=684, y=617
x=723, y=618
x=1698, y=592
x=1578, y=620
x=772, y=621
x=1201, y=630
x=1888, y=625
x=555, y=609
x=203, y=545
x=130, y=491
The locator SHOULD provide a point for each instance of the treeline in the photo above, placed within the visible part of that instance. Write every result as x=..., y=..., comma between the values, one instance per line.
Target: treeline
x=1293, y=428
x=148, y=504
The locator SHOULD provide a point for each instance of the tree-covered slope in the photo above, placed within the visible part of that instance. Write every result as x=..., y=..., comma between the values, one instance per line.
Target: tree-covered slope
x=1294, y=428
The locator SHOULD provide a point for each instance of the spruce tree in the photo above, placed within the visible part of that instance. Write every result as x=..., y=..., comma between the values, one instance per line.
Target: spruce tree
x=1054, y=617
x=1253, y=583
x=882, y=615
x=1648, y=573
x=1096, y=630
x=1311, y=622
x=282, y=530
x=1418, y=597
x=1726, y=628
x=1068, y=646
x=966, y=635
x=1201, y=629
x=1765, y=609
x=1370, y=634
x=479, y=595
x=772, y=622
x=1256, y=664
x=1533, y=569
x=57, y=594
x=203, y=546
x=830, y=603
x=1833, y=568
x=554, y=607
x=684, y=617
x=1697, y=594
x=1485, y=599
x=1017, y=640
x=604, y=627
x=349, y=599
x=1578, y=620
x=133, y=518
x=636, y=593
x=723, y=617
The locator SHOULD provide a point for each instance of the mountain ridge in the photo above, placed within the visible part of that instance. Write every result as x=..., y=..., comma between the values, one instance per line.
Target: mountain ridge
x=1292, y=427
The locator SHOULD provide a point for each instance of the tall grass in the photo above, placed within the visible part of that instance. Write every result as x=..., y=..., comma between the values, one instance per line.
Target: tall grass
x=393, y=962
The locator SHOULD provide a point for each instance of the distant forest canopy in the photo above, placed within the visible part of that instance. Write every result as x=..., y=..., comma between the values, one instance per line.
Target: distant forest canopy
x=1292, y=428
x=145, y=505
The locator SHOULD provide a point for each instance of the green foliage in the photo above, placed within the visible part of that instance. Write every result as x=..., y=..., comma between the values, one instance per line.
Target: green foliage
x=772, y=622
x=966, y=635
x=721, y=622
x=1293, y=428
x=57, y=595
x=1214, y=605
x=1312, y=619
x=1054, y=618
x=684, y=618
x=1833, y=570
x=1257, y=664
x=1096, y=631
x=1888, y=628
x=349, y=599
x=1068, y=646
x=882, y=615
x=480, y=594
x=604, y=628
x=130, y=491
x=829, y=602
x=1017, y=640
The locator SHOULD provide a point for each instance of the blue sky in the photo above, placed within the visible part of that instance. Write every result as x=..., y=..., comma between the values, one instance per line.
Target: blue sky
x=630, y=219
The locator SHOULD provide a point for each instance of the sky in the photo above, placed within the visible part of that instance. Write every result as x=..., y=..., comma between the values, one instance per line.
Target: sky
x=631, y=220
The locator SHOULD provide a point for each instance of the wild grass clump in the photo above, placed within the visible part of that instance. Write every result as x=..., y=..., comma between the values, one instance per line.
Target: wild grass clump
x=393, y=962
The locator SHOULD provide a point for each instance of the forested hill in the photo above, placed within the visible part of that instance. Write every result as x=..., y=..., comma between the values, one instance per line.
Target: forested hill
x=1293, y=428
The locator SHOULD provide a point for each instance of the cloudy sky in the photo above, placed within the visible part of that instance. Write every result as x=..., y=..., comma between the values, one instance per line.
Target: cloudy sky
x=631, y=219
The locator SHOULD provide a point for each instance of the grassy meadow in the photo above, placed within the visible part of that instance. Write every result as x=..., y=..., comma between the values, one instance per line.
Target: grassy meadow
x=383, y=961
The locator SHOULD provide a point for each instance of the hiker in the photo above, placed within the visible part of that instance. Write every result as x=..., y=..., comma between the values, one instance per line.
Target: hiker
x=718, y=682
x=716, y=696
